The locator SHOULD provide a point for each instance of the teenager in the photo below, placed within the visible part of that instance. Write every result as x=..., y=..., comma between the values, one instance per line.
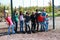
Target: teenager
x=33, y=22
x=10, y=24
x=37, y=23
x=44, y=15
x=27, y=21
x=41, y=22
x=21, y=19
x=16, y=21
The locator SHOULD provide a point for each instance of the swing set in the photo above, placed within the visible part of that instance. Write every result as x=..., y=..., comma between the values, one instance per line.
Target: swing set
x=37, y=6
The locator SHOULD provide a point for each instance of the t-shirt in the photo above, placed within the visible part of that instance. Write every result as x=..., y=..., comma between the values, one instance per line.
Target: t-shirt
x=16, y=18
x=46, y=20
x=9, y=20
x=40, y=18
x=21, y=18
x=43, y=13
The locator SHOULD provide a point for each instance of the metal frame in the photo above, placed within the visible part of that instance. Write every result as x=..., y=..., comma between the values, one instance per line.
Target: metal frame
x=52, y=12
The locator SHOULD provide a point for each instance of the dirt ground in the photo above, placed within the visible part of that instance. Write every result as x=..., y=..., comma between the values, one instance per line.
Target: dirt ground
x=50, y=35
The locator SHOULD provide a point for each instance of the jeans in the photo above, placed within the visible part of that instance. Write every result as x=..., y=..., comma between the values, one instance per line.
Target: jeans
x=27, y=26
x=11, y=26
x=46, y=27
x=33, y=27
x=16, y=25
x=21, y=26
x=37, y=24
x=42, y=26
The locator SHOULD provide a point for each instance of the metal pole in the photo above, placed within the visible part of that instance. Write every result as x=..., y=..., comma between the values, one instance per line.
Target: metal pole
x=12, y=9
x=4, y=12
x=53, y=14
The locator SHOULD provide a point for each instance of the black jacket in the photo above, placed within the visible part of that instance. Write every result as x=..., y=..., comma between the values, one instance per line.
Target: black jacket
x=33, y=18
x=27, y=18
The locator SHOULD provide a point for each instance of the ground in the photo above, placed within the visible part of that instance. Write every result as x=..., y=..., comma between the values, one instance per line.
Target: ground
x=50, y=35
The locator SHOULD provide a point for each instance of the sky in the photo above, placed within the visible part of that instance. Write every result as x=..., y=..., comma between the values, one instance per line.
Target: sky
x=27, y=3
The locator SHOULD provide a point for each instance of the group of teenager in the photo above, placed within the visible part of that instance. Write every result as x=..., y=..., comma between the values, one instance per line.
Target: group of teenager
x=39, y=22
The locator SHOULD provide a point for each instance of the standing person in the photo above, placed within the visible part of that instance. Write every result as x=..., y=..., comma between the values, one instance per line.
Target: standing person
x=46, y=23
x=44, y=15
x=41, y=22
x=44, y=12
x=13, y=16
x=37, y=23
x=27, y=21
x=16, y=21
x=33, y=22
x=21, y=19
x=10, y=24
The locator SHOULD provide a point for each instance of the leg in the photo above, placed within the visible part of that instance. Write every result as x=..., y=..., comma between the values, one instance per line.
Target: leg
x=46, y=27
x=12, y=26
x=9, y=30
x=41, y=26
x=25, y=27
x=29, y=27
x=37, y=26
x=16, y=24
x=20, y=26
x=32, y=26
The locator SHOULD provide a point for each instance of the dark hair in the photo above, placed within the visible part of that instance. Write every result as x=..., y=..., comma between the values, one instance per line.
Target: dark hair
x=36, y=9
x=39, y=13
x=20, y=13
x=27, y=13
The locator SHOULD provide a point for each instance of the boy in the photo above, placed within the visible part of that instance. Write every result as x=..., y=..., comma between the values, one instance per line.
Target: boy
x=27, y=19
x=10, y=24
x=33, y=22
x=46, y=20
x=41, y=21
x=37, y=23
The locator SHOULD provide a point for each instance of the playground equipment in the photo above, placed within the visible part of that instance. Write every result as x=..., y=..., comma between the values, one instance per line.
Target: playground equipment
x=37, y=5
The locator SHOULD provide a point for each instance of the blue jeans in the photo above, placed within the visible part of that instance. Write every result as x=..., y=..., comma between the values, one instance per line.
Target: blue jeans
x=11, y=26
x=46, y=27
x=27, y=26
x=21, y=26
x=42, y=26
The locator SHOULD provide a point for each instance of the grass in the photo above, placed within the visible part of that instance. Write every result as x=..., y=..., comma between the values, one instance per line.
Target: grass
x=56, y=14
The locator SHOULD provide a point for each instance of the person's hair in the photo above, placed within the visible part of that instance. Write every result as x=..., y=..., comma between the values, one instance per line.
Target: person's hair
x=6, y=15
x=39, y=13
x=20, y=13
x=36, y=10
x=27, y=13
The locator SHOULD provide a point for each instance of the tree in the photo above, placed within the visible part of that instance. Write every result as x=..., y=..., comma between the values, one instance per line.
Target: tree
x=50, y=6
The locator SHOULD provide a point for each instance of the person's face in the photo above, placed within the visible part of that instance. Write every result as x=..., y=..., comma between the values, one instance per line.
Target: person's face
x=33, y=13
x=44, y=10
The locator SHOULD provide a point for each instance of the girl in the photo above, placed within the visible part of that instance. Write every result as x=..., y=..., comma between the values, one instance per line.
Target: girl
x=16, y=21
x=21, y=19
x=10, y=24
